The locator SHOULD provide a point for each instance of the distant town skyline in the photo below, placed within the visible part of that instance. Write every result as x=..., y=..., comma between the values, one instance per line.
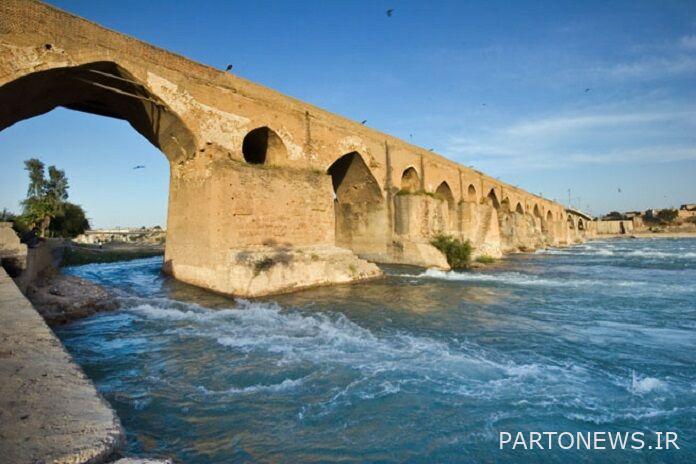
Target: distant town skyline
x=596, y=99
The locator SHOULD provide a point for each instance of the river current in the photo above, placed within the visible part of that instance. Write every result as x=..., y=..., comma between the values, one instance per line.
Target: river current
x=422, y=366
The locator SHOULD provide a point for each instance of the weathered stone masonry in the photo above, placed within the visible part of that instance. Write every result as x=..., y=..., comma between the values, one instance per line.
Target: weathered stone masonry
x=266, y=192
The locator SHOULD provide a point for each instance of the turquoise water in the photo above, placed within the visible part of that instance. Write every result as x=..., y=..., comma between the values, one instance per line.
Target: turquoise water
x=418, y=367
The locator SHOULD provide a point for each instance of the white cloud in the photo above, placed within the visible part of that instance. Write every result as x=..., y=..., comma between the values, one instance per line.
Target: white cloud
x=562, y=124
x=578, y=140
x=651, y=68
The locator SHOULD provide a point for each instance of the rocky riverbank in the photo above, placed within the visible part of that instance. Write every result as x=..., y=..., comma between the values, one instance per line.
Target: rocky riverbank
x=60, y=298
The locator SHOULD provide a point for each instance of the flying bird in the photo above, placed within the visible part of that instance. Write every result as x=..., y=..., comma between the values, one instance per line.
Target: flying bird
x=390, y=12
x=140, y=166
x=587, y=90
x=229, y=67
x=430, y=149
x=619, y=190
x=363, y=122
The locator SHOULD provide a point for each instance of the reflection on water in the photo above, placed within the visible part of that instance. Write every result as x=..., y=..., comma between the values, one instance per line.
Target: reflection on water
x=422, y=366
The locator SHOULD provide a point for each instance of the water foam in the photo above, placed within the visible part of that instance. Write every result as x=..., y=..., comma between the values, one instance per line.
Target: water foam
x=641, y=386
x=385, y=361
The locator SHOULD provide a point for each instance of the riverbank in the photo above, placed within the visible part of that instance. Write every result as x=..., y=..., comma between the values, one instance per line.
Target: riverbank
x=49, y=410
x=77, y=254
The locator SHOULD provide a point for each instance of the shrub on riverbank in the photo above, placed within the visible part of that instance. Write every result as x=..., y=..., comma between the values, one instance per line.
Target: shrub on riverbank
x=458, y=253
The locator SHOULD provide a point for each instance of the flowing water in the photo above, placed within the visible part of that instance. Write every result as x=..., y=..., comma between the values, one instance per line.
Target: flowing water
x=422, y=366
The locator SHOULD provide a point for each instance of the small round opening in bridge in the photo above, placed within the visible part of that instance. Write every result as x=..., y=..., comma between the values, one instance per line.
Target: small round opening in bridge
x=262, y=145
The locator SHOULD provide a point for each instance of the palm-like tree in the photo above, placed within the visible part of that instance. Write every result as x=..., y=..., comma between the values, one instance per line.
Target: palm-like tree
x=45, y=197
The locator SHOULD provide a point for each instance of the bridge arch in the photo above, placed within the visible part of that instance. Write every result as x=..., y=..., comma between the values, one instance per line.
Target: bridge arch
x=445, y=192
x=519, y=209
x=103, y=88
x=536, y=211
x=358, y=205
x=492, y=199
x=410, y=181
x=571, y=222
x=471, y=194
x=263, y=146
x=505, y=205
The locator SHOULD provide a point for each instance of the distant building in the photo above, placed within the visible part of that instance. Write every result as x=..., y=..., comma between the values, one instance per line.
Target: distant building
x=688, y=207
x=632, y=214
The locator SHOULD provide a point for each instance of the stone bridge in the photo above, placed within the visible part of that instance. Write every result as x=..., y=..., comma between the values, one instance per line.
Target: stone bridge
x=267, y=193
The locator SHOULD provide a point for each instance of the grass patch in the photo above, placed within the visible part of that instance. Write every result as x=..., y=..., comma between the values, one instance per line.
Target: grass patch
x=458, y=253
x=485, y=259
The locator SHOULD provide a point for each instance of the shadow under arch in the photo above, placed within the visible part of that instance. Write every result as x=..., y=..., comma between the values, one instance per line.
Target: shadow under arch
x=263, y=145
x=571, y=223
x=103, y=88
x=471, y=193
x=491, y=199
x=361, y=220
x=445, y=192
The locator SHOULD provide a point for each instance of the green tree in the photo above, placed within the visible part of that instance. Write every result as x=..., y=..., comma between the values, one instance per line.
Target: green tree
x=70, y=223
x=667, y=215
x=45, y=197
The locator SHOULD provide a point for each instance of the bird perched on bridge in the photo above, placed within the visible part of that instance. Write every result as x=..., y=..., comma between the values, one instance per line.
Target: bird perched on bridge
x=140, y=166
x=390, y=12
x=363, y=122
x=229, y=67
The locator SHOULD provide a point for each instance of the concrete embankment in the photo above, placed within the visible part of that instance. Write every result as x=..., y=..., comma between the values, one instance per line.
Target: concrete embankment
x=50, y=412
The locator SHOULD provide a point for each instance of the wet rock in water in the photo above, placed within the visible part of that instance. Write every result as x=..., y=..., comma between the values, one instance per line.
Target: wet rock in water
x=60, y=298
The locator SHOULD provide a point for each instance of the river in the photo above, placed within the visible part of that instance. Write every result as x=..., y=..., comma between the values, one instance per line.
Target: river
x=422, y=366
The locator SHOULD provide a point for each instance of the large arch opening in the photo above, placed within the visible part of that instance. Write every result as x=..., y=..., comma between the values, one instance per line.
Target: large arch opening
x=103, y=88
x=410, y=181
x=359, y=206
x=445, y=192
x=581, y=224
x=519, y=209
x=262, y=145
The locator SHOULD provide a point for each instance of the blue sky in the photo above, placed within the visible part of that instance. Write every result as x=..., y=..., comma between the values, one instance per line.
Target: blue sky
x=500, y=86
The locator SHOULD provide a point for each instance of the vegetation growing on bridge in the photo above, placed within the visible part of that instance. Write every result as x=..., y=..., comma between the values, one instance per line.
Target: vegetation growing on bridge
x=457, y=252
